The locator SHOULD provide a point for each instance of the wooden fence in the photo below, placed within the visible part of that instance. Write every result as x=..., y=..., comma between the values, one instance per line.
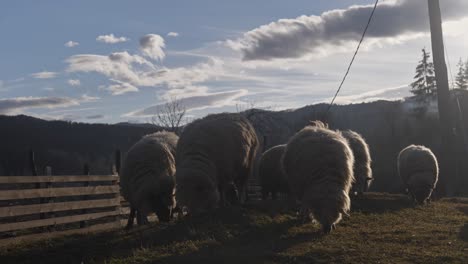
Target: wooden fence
x=58, y=205
x=37, y=207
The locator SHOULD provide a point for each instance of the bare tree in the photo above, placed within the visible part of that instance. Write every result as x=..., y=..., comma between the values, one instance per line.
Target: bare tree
x=170, y=115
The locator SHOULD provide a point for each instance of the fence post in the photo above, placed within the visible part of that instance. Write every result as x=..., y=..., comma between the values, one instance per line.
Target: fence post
x=86, y=184
x=48, y=170
x=117, y=165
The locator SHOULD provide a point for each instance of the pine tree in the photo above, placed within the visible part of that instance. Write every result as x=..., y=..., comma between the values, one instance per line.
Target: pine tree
x=461, y=80
x=424, y=83
x=466, y=73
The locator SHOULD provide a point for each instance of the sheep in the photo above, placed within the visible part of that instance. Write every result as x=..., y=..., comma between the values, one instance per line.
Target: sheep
x=272, y=178
x=318, y=164
x=362, y=161
x=147, y=179
x=419, y=171
x=214, y=159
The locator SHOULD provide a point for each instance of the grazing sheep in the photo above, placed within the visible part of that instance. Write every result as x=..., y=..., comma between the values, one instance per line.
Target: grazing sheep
x=362, y=161
x=214, y=159
x=418, y=169
x=318, y=164
x=272, y=178
x=147, y=179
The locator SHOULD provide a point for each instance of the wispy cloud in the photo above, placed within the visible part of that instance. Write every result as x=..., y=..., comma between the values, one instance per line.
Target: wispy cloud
x=120, y=88
x=13, y=105
x=128, y=72
x=71, y=44
x=152, y=45
x=74, y=82
x=172, y=34
x=208, y=100
x=97, y=116
x=111, y=39
x=338, y=30
x=44, y=75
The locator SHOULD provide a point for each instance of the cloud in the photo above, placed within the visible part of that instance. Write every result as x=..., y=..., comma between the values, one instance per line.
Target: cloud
x=152, y=45
x=338, y=30
x=132, y=71
x=111, y=39
x=98, y=116
x=390, y=94
x=13, y=105
x=73, y=82
x=195, y=102
x=71, y=44
x=120, y=88
x=44, y=75
x=172, y=34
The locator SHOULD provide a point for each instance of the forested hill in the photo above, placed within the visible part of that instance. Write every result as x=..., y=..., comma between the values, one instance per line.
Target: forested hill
x=66, y=146
x=387, y=126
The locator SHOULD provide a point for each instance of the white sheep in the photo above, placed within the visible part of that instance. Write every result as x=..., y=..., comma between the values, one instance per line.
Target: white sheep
x=147, y=177
x=362, y=161
x=318, y=164
x=272, y=178
x=214, y=159
x=418, y=169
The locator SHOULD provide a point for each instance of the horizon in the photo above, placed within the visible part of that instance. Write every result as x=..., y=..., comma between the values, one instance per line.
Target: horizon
x=123, y=61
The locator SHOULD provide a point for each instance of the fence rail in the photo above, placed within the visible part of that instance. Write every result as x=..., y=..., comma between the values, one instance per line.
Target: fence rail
x=78, y=199
x=78, y=204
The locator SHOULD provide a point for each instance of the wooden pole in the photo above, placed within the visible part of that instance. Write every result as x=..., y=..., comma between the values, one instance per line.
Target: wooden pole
x=447, y=128
x=83, y=224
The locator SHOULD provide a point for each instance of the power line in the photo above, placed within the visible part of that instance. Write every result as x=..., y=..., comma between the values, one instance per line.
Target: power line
x=354, y=56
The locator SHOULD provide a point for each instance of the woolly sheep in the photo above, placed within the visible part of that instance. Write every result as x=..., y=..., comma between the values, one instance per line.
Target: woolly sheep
x=418, y=169
x=362, y=161
x=147, y=179
x=272, y=178
x=318, y=164
x=214, y=159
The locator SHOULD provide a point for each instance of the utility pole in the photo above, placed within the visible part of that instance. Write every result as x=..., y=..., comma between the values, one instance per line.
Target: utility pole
x=447, y=127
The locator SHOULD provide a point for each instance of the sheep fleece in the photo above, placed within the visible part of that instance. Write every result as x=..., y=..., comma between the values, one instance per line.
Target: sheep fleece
x=272, y=178
x=362, y=160
x=319, y=166
x=148, y=171
x=215, y=156
x=418, y=169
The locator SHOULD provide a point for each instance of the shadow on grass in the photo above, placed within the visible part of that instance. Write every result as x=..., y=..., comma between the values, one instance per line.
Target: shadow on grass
x=253, y=245
x=464, y=233
x=380, y=203
x=253, y=234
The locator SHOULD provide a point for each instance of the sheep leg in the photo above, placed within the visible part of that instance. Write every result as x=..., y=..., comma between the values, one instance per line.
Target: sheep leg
x=327, y=228
x=131, y=218
x=141, y=219
x=264, y=194
x=273, y=195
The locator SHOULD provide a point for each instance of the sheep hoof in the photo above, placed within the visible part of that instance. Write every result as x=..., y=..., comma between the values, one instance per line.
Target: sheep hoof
x=327, y=229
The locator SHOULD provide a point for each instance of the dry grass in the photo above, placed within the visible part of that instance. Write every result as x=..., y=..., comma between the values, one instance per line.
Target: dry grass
x=382, y=228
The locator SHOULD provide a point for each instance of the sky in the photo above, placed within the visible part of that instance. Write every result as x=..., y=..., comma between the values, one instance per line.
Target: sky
x=120, y=61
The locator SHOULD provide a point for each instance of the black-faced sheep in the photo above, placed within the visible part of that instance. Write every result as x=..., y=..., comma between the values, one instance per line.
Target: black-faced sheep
x=362, y=161
x=318, y=164
x=272, y=178
x=214, y=159
x=418, y=169
x=147, y=177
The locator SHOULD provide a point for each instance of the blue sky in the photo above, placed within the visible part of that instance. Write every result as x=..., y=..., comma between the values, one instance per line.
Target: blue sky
x=60, y=61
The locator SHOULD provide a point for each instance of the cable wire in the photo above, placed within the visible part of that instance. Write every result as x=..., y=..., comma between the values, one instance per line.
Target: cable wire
x=354, y=56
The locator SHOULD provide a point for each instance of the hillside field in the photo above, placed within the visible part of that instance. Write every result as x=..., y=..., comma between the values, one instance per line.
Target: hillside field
x=382, y=228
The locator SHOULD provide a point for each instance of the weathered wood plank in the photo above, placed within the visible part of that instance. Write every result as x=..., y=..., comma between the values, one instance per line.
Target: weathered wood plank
x=50, y=235
x=56, y=207
x=55, y=221
x=57, y=192
x=62, y=178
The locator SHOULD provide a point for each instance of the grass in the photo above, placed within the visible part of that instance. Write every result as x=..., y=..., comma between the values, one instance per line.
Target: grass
x=382, y=228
